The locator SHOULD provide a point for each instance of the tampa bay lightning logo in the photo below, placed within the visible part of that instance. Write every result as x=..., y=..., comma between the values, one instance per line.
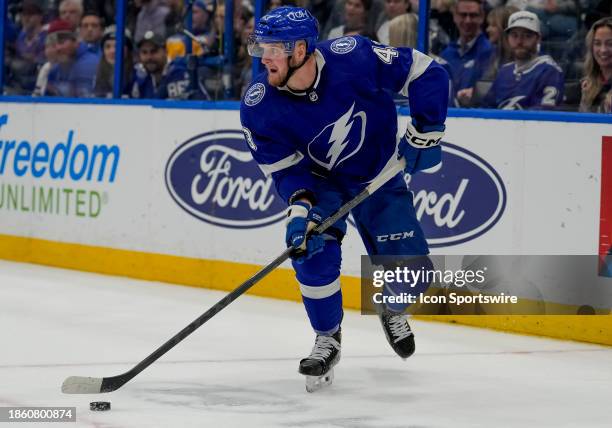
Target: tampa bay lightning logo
x=512, y=103
x=343, y=45
x=339, y=140
x=255, y=94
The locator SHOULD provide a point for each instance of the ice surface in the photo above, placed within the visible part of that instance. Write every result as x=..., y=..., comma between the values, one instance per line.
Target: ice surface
x=240, y=368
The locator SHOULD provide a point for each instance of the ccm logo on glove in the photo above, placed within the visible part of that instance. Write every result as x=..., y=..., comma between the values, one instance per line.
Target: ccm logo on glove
x=422, y=140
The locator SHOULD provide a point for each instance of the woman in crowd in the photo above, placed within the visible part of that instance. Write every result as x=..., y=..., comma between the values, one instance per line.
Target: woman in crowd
x=597, y=82
x=106, y=67
x=497, y=21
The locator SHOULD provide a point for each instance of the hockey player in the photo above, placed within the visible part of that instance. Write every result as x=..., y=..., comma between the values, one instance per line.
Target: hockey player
x=321, y=121
x=531, y=81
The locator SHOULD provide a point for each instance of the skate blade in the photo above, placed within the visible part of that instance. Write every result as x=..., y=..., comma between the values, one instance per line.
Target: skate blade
x=314, y=383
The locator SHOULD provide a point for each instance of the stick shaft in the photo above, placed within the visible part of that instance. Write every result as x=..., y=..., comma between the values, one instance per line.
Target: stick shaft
x=113, y=383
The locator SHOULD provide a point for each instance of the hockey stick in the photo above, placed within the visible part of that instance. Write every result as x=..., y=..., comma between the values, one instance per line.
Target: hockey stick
x=96, y=385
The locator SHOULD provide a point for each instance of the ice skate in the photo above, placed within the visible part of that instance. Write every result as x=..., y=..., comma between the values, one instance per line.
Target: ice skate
x=398, y=333
x=318, y=366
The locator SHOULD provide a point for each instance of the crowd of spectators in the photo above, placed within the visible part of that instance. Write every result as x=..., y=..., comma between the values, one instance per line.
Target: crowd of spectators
x=506, y=54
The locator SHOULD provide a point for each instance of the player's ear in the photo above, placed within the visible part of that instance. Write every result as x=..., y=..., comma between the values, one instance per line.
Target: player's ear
x=301, y=50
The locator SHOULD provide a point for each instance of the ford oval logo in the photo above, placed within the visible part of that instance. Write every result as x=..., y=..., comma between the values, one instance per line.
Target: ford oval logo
x=213, y=177
x=458, y=200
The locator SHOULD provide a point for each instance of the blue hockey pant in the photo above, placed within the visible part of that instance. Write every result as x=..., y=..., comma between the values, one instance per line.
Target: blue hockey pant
x=387, y=224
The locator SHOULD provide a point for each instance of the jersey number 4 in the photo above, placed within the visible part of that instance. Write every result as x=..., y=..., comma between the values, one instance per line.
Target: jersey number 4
x=385, y=53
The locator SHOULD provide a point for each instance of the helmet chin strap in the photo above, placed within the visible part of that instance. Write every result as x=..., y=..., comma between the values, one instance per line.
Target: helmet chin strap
x=292, y=70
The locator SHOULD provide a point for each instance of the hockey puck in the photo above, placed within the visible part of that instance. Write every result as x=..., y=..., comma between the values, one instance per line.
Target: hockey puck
x=99, y=406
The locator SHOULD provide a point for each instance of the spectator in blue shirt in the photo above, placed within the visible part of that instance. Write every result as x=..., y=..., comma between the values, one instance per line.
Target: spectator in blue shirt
x=149, y=70
x=75, y=71
x=469, y=56
x=91, y=30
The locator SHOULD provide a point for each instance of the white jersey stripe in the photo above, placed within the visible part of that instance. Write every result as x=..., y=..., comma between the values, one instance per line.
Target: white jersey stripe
x=269, y=169
x=420, y=62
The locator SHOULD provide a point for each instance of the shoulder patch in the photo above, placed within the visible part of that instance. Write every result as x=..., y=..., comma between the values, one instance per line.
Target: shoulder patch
x=255, y=94
x=343, y=45
x=249, y=138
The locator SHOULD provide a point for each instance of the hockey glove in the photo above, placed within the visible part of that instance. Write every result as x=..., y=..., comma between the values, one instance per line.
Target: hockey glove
x=421, y=149
x=301, y=219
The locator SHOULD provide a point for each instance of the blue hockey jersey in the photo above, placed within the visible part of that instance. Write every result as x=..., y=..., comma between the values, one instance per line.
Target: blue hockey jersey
x=343, y=128
x=176, y=83
x=467, y=67
x=535, y=85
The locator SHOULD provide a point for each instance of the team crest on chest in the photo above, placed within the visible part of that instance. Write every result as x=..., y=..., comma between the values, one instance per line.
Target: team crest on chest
x=255, y=94
x=339, y=140
x=343, y=45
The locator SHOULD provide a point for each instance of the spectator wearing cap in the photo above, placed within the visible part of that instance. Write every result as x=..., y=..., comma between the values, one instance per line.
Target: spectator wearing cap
x=531, y=81
x=468, y=56
x=154, y=77
x=149, y=70
x=75, y=71
x=29, y=48
x=558, y=18
x=105, y=76
x=596, y=85
x=91, y=30
x=151, y=17
x=71, y=11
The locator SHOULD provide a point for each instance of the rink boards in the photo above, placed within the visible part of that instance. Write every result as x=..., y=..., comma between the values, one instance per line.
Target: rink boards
x=173, y=195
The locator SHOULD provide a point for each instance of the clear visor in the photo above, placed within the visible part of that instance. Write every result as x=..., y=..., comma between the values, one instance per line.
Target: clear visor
x=261, y=48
